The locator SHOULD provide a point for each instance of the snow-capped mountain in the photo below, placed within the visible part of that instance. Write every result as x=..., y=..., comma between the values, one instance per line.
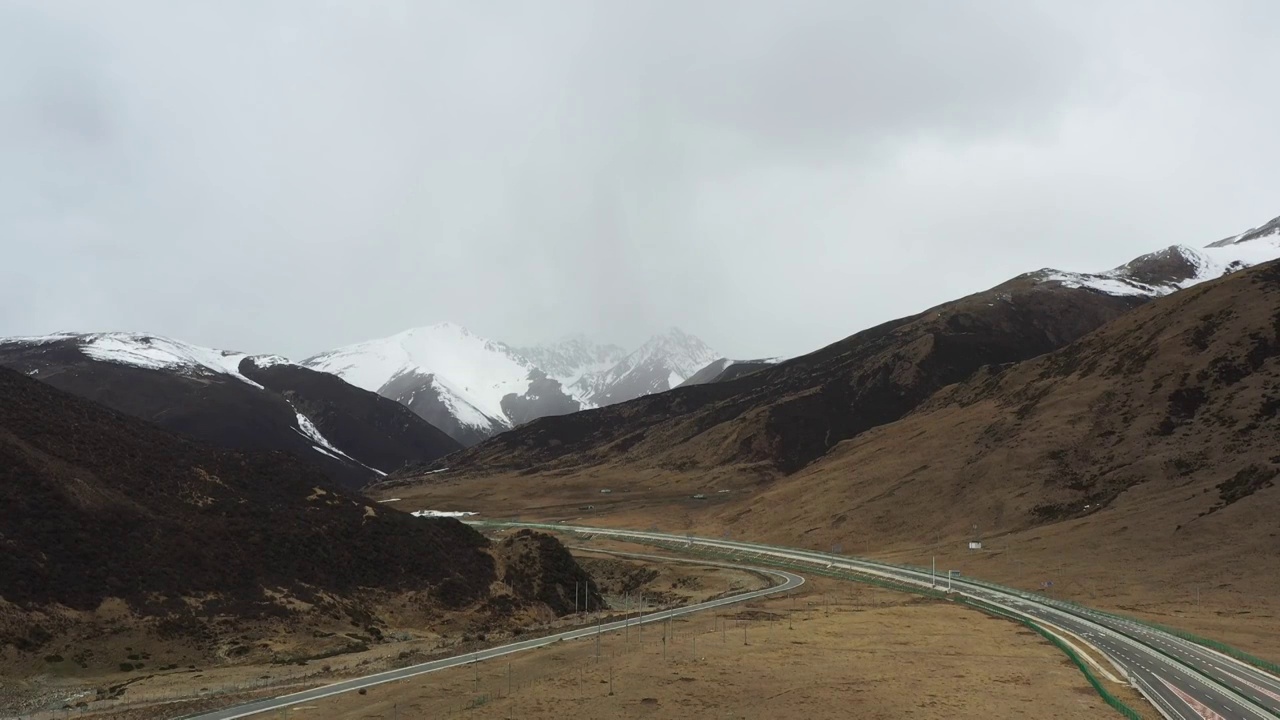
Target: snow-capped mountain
x=1178, y=266
x=662, y=363
x=573, y=357
x=472, y=387
x=466, y=385
x=233, y=399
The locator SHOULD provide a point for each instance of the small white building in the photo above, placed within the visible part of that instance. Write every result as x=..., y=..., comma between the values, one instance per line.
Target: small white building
x=975, y=544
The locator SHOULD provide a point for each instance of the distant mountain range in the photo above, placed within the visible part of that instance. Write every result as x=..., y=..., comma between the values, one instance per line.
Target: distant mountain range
x=786, y=415
x=361, y=411
x=234, y=400
x=472, y=387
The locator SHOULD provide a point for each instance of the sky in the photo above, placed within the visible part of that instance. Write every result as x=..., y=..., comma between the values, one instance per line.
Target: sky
x=289, y=176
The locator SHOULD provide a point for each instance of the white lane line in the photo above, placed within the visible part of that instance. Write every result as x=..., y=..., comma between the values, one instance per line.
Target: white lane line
x=791, y=581
x=1204, y=711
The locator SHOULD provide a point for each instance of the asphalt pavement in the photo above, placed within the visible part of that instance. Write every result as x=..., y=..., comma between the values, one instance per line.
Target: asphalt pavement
x=1184, y=681
x=789, y=581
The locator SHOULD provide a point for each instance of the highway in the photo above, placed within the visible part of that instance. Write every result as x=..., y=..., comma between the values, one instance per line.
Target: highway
x=788, y=581
x=1184, y=681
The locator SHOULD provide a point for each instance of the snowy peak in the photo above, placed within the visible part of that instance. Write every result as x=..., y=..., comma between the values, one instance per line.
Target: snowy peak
x=232, y=399
x=1270, y=230
x=573, y=357
x=662, y=363
x=479, y=372
x=152, y=352
x=683, y=353
x=472, y=387
x=1178, y=266
x=457, y=380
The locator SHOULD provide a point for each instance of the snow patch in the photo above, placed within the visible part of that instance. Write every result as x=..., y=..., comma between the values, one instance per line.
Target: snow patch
x=157, y=353
x=471, y=373
x=266, y=361
x=1101, y=283
x=440, y=513
x=1209, y=263
x=307, y=429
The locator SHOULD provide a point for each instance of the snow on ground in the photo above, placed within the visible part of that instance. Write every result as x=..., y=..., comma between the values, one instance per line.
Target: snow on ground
x=151, y=352
x=463, y=409
x=266, y=361
x=473, y=372
x=674, y=379
x=1102, y=283
x=307, y=429
x=1210, y=263
x=440, y=513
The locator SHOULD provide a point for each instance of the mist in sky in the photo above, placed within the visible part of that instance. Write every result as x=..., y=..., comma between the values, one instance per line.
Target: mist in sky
x=289, y=176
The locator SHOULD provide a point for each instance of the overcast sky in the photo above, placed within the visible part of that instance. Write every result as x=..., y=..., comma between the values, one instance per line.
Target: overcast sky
x=292, y=175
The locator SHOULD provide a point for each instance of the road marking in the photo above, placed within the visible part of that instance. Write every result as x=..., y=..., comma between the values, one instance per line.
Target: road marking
x=1204, y=711
x=791, y=581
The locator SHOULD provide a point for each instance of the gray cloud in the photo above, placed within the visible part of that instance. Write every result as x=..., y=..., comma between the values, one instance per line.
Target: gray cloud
x=291, y=175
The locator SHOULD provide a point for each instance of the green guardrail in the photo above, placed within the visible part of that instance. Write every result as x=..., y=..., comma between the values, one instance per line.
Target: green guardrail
x=1069, y=605
x=1110, y=699
x=1221, y=647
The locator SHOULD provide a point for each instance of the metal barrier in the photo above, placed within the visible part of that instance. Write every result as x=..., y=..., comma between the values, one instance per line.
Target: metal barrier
x=1110, y=699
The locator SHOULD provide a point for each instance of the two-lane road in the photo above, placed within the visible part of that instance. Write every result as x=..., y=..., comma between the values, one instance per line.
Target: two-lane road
x=787, y=581
x=1183, y=680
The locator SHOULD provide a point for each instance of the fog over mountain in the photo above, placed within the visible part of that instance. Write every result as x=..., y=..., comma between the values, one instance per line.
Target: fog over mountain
x=289, y=177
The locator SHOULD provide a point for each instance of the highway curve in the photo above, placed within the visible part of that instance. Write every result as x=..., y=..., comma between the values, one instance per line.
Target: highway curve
x=789, y=581
x=1184, y=681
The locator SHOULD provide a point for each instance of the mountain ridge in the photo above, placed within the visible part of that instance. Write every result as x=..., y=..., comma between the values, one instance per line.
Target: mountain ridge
x=473, y=387
x=785, y=416
x=233, y=399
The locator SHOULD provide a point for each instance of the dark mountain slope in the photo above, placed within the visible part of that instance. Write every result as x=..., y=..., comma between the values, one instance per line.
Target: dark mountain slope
x=725, y=369
x=1182, y=394
x=787, y=415
x=783, y=417
x=376, y=431
x=250, y=404
x=101, y=505
x=1132, y=468
x=226, y=553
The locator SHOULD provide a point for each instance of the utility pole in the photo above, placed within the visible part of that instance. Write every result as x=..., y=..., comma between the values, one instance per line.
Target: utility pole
x=933, y=574
x=508, y=679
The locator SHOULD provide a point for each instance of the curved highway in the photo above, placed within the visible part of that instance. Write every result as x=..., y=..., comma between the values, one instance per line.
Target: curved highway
x=1184, y=681
x=789, y=581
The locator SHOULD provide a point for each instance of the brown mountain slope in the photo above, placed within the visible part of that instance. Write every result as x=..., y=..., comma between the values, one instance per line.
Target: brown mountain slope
x=1181, y=394
x=1134, y=468
x=101, y=508
x=371, y=434
x=785, y=416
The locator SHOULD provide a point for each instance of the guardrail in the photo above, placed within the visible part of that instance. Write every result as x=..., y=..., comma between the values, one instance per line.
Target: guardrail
x=852, y=575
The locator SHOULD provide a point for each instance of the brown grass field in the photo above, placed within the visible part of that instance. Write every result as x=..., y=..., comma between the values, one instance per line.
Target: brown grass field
x=834, y=650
